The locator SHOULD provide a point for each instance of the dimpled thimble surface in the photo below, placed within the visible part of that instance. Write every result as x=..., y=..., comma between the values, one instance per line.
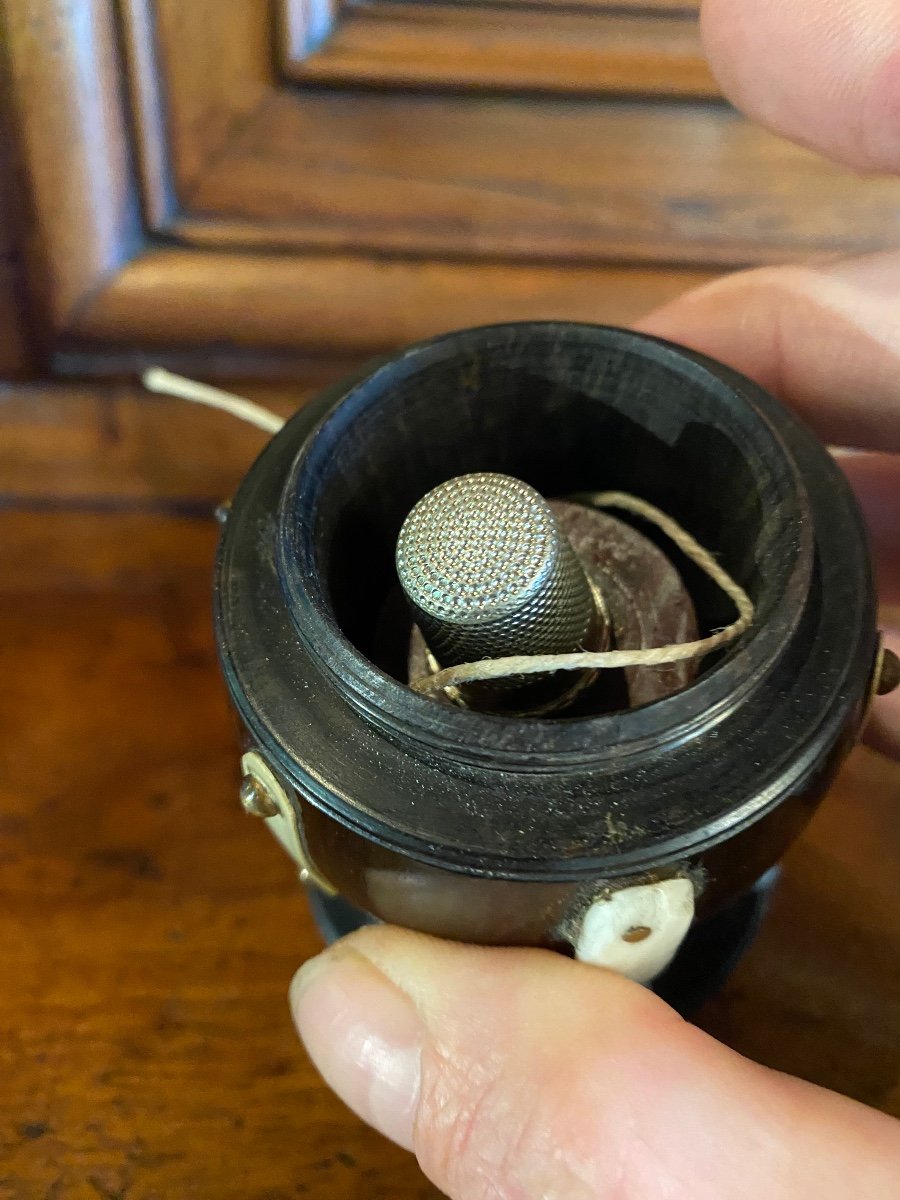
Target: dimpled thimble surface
x=488, y=572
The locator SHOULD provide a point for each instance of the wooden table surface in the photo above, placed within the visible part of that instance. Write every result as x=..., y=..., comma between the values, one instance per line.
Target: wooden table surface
x=150, y=929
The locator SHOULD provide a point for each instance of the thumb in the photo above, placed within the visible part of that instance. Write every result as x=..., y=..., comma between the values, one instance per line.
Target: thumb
x=521, y=1074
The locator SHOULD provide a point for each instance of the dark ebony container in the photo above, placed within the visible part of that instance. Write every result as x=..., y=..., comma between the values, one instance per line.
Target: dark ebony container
x=501, y=830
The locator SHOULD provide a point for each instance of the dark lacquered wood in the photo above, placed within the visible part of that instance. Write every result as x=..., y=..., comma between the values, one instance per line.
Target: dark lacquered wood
x=150, y=928
x=17, y=354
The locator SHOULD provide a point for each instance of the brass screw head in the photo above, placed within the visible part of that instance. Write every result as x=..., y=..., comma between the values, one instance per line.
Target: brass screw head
x=255, y=799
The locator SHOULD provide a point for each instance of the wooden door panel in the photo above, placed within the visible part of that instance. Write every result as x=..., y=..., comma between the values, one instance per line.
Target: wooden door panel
x=338, y=305
x=187, y=196
x=498, y=48
x=15, y=351
x=79, y=198
x=434, y=175
x=441, y=176
x=211, y=73
x=683, y=7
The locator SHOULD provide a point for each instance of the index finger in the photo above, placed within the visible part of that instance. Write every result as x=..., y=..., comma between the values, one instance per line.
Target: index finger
x=822, y=72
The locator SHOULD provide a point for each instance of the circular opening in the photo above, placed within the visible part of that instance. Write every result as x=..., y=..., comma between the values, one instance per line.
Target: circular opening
x=566, y=408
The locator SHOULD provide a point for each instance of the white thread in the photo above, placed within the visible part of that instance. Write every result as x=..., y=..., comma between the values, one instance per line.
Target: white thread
x=158, y=379
x=536, y=664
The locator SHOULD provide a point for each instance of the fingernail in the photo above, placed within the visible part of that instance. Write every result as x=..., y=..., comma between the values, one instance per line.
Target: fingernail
x=364, y=1036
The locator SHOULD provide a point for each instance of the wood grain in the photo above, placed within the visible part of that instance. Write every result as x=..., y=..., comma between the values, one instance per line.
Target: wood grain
x=223, y=61
x=539, y=181
x=17, y=349
x=75, y=445
x=352, y=305
x=599, y=7
x=475, y=177
x=489, y=49
x=72, y=139
x=106, y=298
x=154, y=186
x=181, y=198
x=120, y=448
x=151, y=929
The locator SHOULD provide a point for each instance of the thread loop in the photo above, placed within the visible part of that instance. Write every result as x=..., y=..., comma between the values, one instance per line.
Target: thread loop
x=535, y=664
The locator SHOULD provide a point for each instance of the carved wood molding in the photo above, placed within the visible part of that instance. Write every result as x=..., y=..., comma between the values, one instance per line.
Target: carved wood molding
x=493, y=47
x=183, y=196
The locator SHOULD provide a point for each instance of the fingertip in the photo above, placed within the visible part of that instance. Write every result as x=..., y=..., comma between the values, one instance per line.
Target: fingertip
x=825, y=73
x=823, y=339
x=519, y=1072
x=364, y=1036
x=732, y=319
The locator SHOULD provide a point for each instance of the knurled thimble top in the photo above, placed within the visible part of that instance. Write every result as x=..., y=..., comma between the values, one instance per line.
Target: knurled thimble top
x=488, y=573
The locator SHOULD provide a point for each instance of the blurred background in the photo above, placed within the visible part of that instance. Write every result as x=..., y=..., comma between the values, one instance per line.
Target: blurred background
x=267, y=194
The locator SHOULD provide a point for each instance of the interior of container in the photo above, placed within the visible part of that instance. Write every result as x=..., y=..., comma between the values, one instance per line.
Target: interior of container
x=564, y=414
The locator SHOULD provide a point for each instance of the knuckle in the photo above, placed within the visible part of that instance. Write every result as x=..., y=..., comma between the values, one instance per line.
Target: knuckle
x=483, y=1135
x=460, y=1124
x=472, y=1129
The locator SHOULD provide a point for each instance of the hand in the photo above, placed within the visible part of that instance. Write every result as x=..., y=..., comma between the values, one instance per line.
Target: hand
x=826, y=340
x=520, y=1075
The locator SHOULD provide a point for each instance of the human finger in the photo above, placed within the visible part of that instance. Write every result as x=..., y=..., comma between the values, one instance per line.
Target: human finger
x=522, y=1074
x=825, y=73
x=825, y=340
